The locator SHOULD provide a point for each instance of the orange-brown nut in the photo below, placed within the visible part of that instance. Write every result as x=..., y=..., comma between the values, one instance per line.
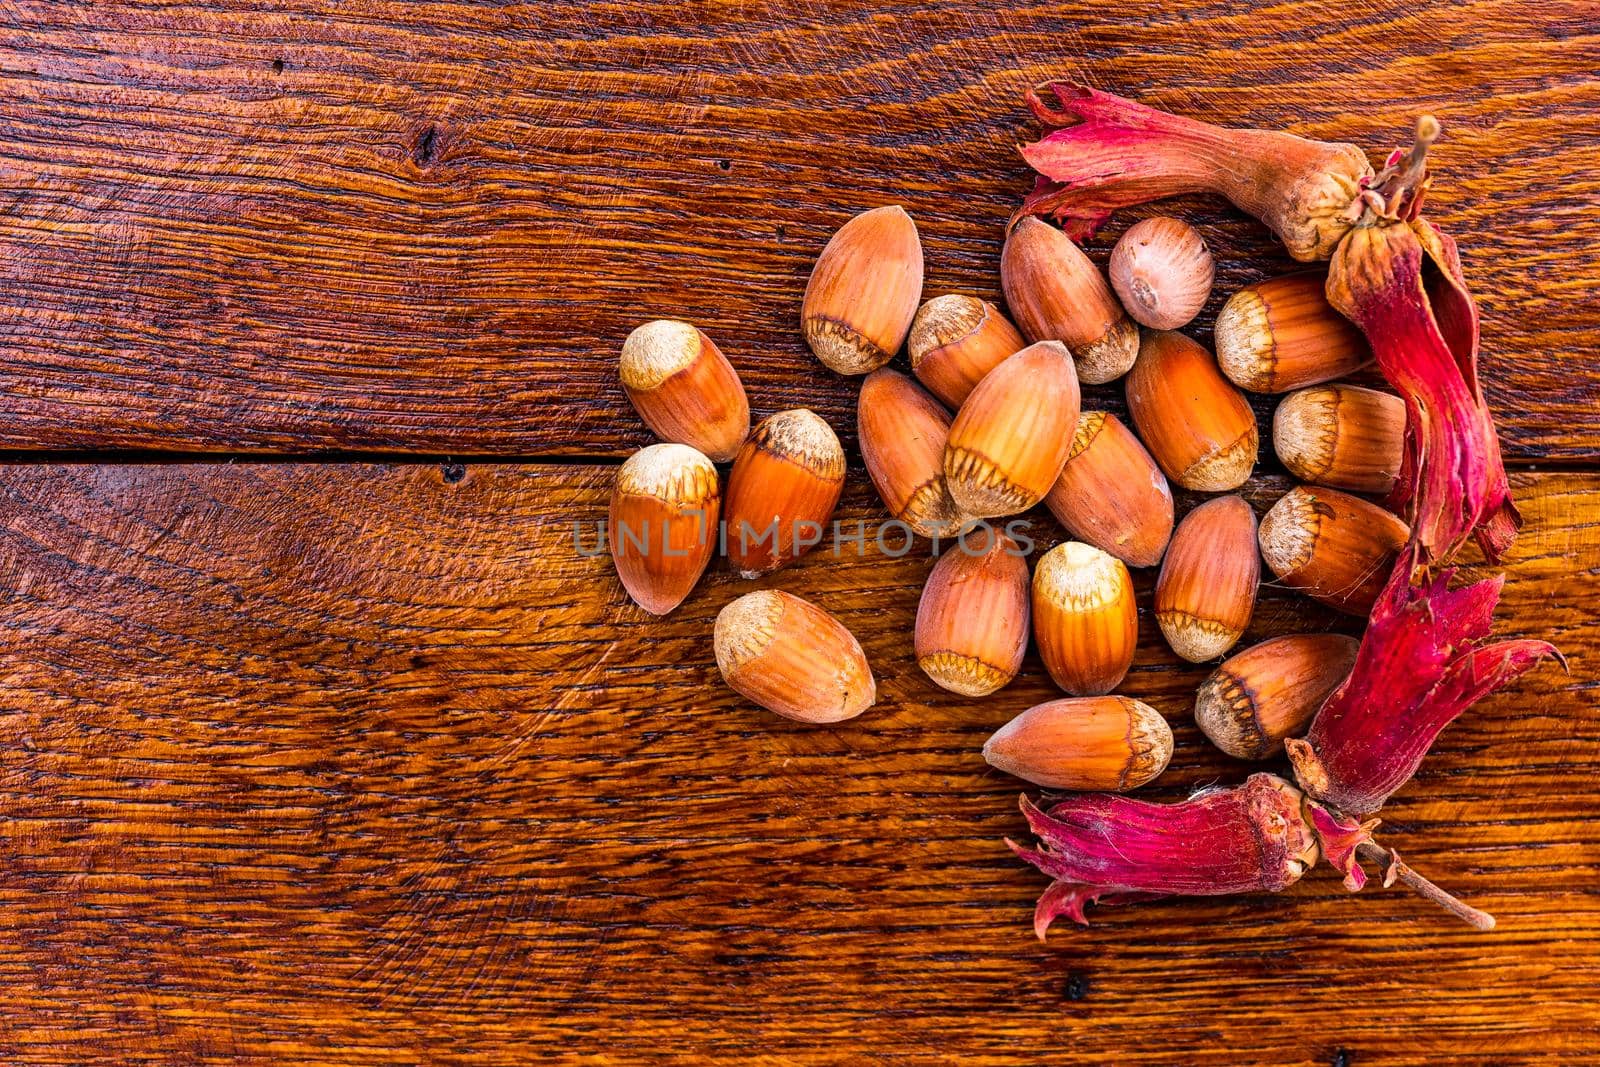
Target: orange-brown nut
x=864, y=291
x=956, y=340
x=1206, y=592
x=791, y=657
x=663, y=524
x=684, y=388
x=1056, y=293
x=1103, y=743
x=1111, y=494
x=782, y=490
x=1195, y=423
x=972, y=621
x=1084, y=618
x=1341, y=436
x=1332, y=546
x=1011, y=438
x=1270, y=691
x=902, y=431
x=1282, y=334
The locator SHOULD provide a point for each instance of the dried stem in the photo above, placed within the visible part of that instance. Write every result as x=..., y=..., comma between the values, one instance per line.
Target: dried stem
x=1395, y=869
x=1396, y=190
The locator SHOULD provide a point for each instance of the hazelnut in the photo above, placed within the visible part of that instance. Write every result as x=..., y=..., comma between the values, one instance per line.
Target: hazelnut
x=1084, y=618
x=1162, y=271
x=1206, y=591
x=782, y=490
x=684, y=388
x=663, y=524
x=793, y=658
x=1056, y=293
x=1011, y=438
x=864, y=291
x=1091, y=743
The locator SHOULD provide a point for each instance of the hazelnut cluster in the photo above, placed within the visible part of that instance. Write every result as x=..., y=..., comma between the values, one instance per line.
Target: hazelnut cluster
x=993, y=425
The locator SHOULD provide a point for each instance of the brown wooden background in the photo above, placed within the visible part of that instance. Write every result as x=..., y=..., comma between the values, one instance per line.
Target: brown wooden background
x=321, y=744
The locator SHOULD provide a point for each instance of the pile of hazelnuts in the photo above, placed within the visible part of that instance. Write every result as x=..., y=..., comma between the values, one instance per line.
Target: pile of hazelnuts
x=1019, y=437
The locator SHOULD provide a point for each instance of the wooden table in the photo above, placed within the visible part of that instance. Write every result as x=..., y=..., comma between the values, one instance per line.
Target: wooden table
x=323, y=745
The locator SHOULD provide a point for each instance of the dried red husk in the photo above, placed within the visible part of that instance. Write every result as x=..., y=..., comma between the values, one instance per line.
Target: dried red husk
x=1398, y=277
x=1105, y=153
x=1340, y=837
x=1251, y=838
x=1422, y=662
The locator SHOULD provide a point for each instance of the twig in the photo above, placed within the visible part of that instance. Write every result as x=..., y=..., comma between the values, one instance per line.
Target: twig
x=1395, y=869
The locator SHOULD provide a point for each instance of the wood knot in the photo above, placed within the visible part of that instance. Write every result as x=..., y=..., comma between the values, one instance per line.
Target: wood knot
x=426, y=148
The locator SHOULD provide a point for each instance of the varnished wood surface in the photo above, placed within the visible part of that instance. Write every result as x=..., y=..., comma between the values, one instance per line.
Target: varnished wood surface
x=367, y=765
x=427, y=226
x=333, y=763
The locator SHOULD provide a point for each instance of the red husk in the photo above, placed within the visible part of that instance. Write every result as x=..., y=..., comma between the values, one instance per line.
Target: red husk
x=1339, y=836
x=1069, y=899
x=1105, y=153
x=1420, y=665
x=1251, y=838
x=1400, y=280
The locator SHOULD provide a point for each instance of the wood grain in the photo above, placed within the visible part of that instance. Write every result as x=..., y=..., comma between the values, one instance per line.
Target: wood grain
x=427, y=226
x=339, y=763
x=366, y=765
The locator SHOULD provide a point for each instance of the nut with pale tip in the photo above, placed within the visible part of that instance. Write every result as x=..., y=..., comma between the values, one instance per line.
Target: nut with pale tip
x=684, y=388
x=782, y=490
x=1101, y=743
x=955, y=340
x=1011, y=438
x=662, y=527
x=972, y=620
x=1111, y=494
x=1342, y=436
x=791, y=657
x=1085, y=621
x=1270, y=691
x=864, y=291
x=902, y=432
x=1056, y=293
x=1334, y=547
x=1282, y=334
x=1195, y=422
x=1206, y=591
x=1162, y=271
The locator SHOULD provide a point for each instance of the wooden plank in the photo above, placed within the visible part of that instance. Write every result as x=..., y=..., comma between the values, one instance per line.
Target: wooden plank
x=427, y=226
x=368, y=765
